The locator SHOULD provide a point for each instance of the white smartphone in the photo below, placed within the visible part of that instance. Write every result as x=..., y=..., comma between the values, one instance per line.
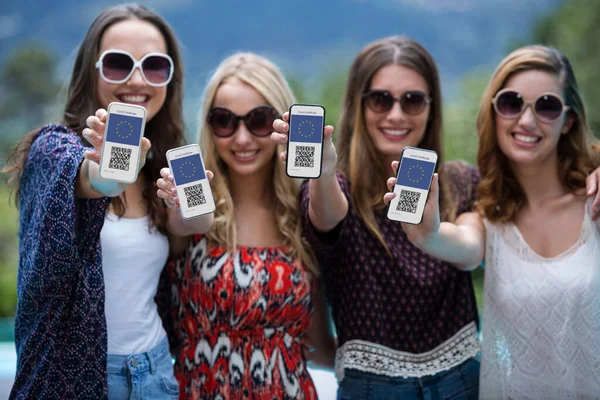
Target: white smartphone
x=305, y=144
x=193, y=188
x=120, y=156
x=414, y=180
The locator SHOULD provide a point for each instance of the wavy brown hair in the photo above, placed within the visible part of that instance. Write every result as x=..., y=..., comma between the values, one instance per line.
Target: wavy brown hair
x=264, y=77
x=500, y=196
x=165, y=131
x=356, y=148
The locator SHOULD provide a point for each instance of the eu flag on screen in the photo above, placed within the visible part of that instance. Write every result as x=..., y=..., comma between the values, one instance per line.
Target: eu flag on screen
x=415, y=173
x=306, y=129
x=187, y=169
x=124, y=129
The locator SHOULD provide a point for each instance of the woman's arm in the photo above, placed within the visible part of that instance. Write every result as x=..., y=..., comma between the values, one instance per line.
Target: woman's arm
x=327, y=205
x=461, y=244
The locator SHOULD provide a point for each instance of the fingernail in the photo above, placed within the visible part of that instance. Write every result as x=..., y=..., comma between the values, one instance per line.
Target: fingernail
x=174, y=191
x=284, y=126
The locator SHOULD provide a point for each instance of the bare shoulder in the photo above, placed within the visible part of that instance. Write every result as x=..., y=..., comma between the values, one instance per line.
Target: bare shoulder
x=471, y=219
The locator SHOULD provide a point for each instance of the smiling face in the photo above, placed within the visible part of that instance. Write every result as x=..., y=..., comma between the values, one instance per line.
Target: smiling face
x=244, y=153
x=393, y=130
x=138, y=38
x=527, y=140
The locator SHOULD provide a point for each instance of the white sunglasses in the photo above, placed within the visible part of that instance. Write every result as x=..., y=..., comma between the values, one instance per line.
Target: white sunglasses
x=117, y=66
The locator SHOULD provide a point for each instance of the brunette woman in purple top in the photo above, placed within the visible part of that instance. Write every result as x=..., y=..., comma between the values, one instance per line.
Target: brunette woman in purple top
x=406, y=322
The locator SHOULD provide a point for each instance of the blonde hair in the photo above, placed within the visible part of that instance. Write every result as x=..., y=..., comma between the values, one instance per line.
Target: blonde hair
x=356, y=148
x=500, y=196
x=264, y=77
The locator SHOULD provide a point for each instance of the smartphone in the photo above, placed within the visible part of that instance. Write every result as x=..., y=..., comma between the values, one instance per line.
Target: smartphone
x=305, y=143
x=120, y=156
x=414, y=180
x=193, y=189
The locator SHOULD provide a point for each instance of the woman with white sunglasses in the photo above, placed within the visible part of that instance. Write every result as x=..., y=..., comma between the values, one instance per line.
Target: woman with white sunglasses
x=91, y=250
x=534, y=226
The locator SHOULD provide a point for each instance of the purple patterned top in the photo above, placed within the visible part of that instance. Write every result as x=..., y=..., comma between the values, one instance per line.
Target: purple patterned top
x=405, y=305
x=60, y=329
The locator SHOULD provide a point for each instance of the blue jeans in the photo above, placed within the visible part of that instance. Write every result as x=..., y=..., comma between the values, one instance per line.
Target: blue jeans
x=142, y=376
x=459, y=383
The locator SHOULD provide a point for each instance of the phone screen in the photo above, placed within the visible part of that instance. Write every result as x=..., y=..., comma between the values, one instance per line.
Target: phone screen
x=193, y=188
x=305, y=145
x=414, y=178
x=121, y=149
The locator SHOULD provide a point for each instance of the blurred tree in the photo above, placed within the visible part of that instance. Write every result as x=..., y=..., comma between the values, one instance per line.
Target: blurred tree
x=331, y=92
x=8, y=254
x=327, y=90
x=297, y=86
x=28, y=82
x=28, y=87
x=574, y=29
x=460, y=116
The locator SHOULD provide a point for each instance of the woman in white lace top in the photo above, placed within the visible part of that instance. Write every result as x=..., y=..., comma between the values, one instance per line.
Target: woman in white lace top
x=541, y=317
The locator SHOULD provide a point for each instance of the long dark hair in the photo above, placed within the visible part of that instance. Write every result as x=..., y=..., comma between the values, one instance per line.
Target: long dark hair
x=356, y=148
x=165, y=131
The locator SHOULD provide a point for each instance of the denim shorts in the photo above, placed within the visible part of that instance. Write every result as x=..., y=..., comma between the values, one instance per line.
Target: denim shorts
x=458, y=383
x=147, y=375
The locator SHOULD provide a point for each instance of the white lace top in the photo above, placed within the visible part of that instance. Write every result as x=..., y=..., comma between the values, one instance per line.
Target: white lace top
x=541, y=317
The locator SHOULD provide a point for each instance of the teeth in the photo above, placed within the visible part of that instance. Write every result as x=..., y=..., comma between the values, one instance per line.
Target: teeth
x=245, y=154
x=396, y=132
x=134, y=98
x=527, y=139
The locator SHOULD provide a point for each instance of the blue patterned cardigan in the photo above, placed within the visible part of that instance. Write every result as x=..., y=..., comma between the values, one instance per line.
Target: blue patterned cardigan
x=60, y=327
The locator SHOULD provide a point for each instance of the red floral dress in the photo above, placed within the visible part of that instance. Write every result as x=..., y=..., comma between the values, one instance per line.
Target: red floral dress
x=235, y=323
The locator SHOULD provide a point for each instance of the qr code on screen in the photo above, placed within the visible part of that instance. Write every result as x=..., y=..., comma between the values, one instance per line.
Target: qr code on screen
x=194, y=195
x=305, y=156
x=119, y=158
x=408, y=201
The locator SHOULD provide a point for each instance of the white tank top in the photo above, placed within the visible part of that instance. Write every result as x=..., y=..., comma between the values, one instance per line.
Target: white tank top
x=541, y=317
x=132, y=260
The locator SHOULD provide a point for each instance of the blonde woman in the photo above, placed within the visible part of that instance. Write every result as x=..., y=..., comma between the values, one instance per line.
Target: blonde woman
x=242, y=295
x=534, y=225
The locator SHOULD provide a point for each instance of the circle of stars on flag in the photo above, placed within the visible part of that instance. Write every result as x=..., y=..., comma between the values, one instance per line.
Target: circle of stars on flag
x=312, y=130
x=417, y=178
x=124, y=135
x=191, y=165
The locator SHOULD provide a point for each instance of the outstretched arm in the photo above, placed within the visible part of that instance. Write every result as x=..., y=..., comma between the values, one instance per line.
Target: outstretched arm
x=327, y=205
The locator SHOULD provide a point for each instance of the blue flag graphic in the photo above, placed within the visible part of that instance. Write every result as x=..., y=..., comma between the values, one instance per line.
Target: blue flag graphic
x=187, y=169
x=306, y=128
x=124, y=129
x=415, y=173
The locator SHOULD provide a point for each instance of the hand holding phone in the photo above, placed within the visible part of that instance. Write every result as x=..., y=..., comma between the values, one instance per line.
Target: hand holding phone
x=191, y=181
x=305, y=142
x=121, y=149
x=415, y=172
